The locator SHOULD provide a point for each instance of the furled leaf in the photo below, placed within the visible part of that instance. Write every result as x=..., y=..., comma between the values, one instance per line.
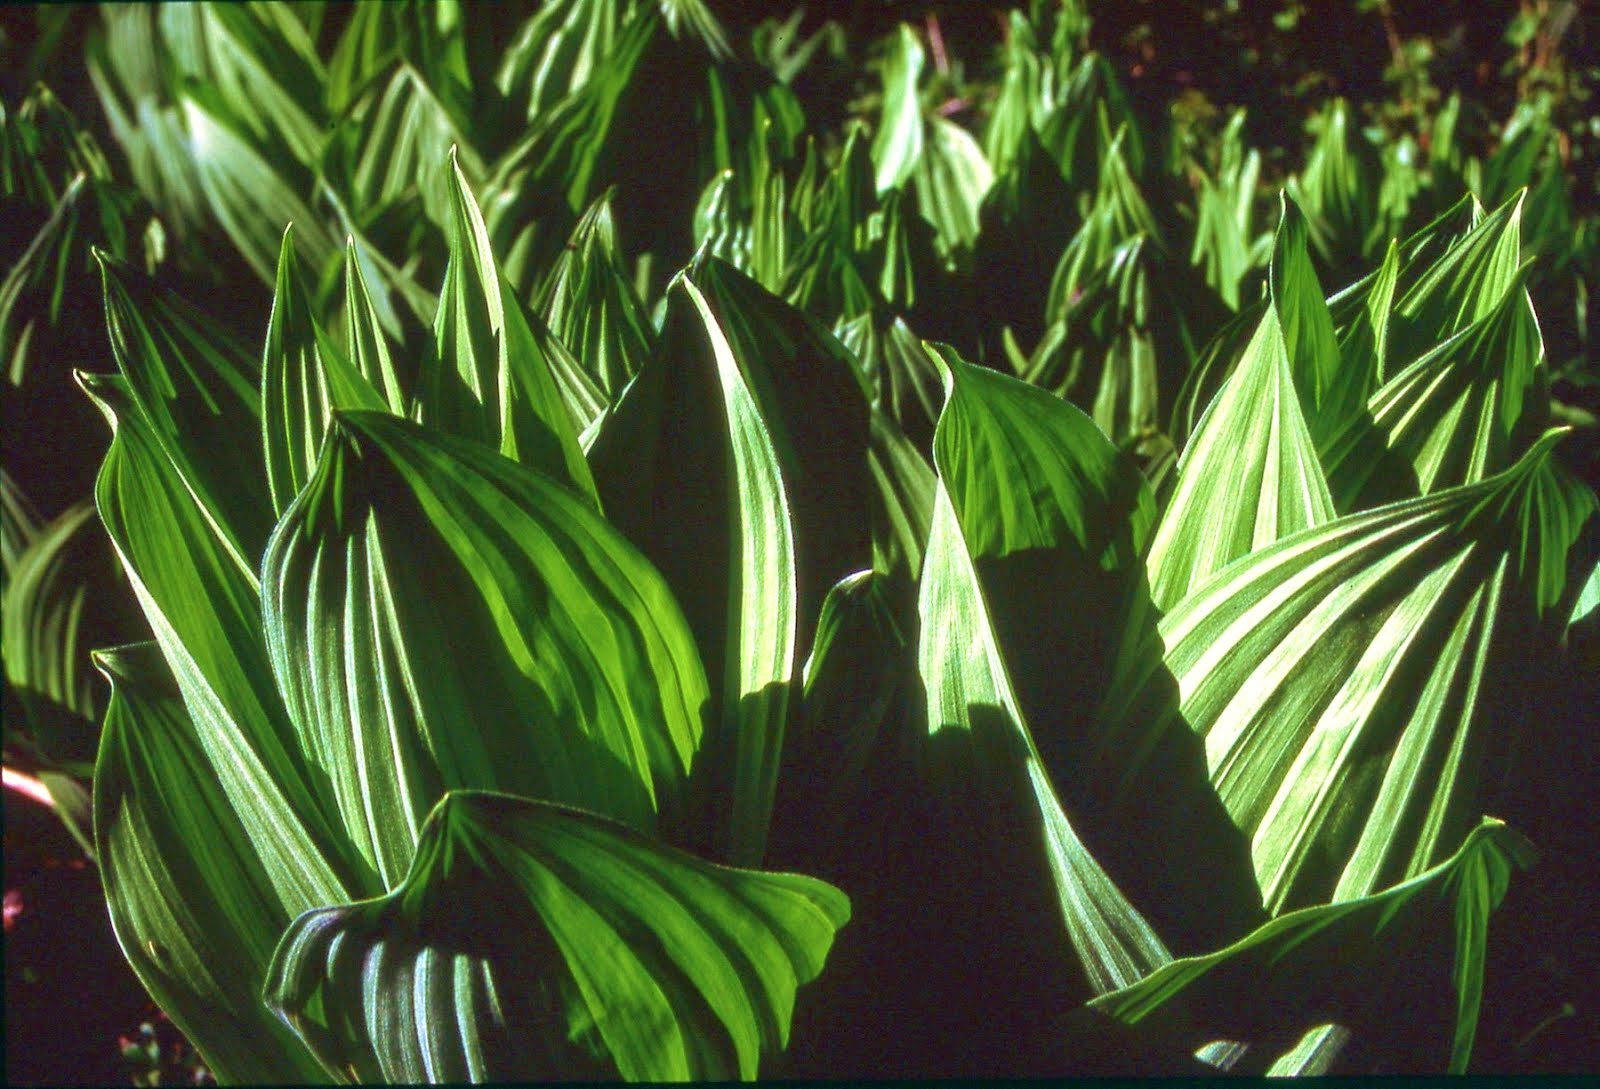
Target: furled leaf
x=491, y=382
x=1375, y=966
x=1249, y=475
x=561, y=668
x=1343, y=678
x=205, y=613
x=951, y=178
x=199, y=389
x=591, y=307
x=736, y=462
x=981, y=754
x=1329, y=394
x=366, y=345
x=191, y=903
x=303, y=378
x=612, y=956
x=1451, y=417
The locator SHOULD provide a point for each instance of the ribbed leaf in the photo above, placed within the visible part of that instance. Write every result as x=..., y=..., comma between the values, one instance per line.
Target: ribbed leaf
x=1342, y=678
x=43, y=606
x=205, y=614
x=902, y=500
x=1329, y=394
x=611, y=955
x=1462, y=286
x=1364, y=340
x=591, y=307
x=1375, y=966
x=366, y=345
x=951, y=178
x=491, y=382
x=1452, y=417
x=303, y=378
x=191, y=903
x=199, y=390
x=441, y=618
x=1249, y=475
x=736, y=461
x=1010, y=477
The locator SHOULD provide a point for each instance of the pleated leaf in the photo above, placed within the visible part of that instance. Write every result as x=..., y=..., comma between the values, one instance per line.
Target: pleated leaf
x=590, y=305
x=982, y=756
x=1342, y=678
x=441, y=618
x=1249, y=475
x=191, y=903
x=304, y=377
x=199, y=390
x=1451, y=417
x=1465, y=283
x=1375, y=966
x=366, y=344
x=610, y=956
x=736, y=461
x=490, y=381
x=1329, y=393
x=897, y=147
x=205, y=614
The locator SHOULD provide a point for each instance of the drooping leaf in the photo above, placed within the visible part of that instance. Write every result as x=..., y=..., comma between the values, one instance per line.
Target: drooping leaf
x=612, y=956
x=951, y=178
x=191, y=903
x=1375, y=966
x=43, y=608
x=561, y=667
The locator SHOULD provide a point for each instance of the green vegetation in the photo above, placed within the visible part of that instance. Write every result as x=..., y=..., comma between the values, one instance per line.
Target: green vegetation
x=668, y=543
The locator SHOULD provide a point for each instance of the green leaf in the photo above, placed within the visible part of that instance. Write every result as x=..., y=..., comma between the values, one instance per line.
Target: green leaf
x=591, y=307
x=1364, y=340
x=43, y=607
x=205, y=614
x=304, y=377
x=981, y=754
x=1454, y=416
x=491, y=382
x=1249, y=475
x=1465, y=284
x=951, y=178
x=897, y=147
x=1328, y=394
x=366, y=345
x=736, y=461
x=902, y=500
x=564, y=45
x=192, y=906
x=613, y=956
x=1343, y=679
x=1369, y=965
x=198, y=388
x=562, y=668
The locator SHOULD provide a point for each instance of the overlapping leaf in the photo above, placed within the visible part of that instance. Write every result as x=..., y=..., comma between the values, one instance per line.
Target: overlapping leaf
x=611, y=956
x=560, y=667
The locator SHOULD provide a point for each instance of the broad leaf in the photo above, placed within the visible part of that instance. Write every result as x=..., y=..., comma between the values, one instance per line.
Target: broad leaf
x=897, y=147
x=205, y=614
x=1249, y=475
x=191, y=903
x=981, y=755
x=561, y=669
x=1343, y=678
x=612, y=956
x=1375, y=966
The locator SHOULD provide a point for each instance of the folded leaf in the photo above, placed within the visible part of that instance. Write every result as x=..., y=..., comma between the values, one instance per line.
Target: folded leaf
x=1370, y=965
x=1342, y=679
x=897, y=147
x=205, y=614
x=304, y=377
x=191, y=903
x=610, y=955
x=441, y=618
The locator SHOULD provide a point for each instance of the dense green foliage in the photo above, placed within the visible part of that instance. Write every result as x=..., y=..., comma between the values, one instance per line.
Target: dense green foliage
x=674, y=544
